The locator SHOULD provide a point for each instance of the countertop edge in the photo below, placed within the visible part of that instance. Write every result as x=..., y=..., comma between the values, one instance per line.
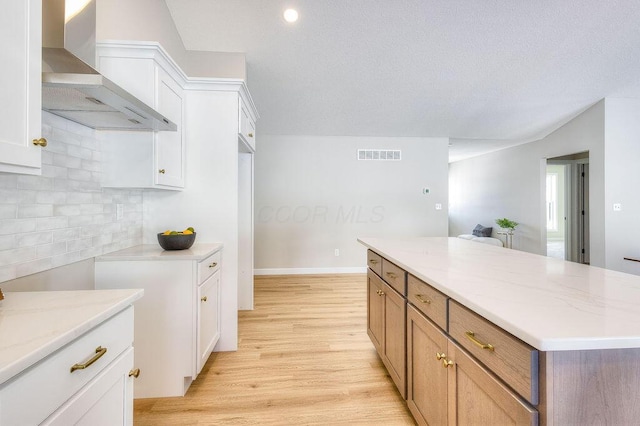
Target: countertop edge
x=153, y=252
x=20, y=365
x=545, y=345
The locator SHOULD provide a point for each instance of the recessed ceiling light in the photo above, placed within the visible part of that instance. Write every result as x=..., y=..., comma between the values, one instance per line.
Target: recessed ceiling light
x=290, y=15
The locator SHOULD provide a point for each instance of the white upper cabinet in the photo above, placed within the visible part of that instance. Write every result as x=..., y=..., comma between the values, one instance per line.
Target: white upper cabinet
x=144, y=159
x=246, y=125
x=20, y=85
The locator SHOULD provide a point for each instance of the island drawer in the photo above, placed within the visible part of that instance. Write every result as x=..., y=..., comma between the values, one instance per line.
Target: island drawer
x=428, y=300
x=374, y=262
x=394, y=276
x=208, y=266
x=51, y=382
x=514, y=361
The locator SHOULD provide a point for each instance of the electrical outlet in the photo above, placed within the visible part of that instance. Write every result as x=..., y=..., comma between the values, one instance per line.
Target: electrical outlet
x=119, y=211
x=438, y=206
x=617, y=207
x=336, y=252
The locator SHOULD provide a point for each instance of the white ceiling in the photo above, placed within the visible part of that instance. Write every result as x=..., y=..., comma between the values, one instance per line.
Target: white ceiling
x=487, y=74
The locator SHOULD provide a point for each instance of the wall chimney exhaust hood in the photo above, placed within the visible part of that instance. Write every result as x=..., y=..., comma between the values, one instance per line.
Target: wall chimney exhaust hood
x=72, y=88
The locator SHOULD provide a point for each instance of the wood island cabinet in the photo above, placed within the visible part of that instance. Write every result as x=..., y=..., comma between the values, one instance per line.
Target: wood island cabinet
x=386, y=327
x=445, y=384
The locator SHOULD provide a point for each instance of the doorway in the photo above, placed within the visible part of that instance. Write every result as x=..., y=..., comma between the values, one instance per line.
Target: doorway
x=567, y=207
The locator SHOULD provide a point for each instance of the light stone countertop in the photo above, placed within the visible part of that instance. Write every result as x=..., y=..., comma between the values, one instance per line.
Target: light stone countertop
x=155, y=252
x=36, y=324
x=551, y=304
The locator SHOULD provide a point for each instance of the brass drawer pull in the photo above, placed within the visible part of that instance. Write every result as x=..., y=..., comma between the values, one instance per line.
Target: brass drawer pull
x=440, y=356
x=392, y=275
x=135, y=373
x=40, y=142
x=203, y=299
x=213, y=265
x=446, y=363
x=99, y=352
x=373, y=261
x=380, y=292
x=161, y=171
x=472, y=336
x=250, y=135
x=419, y=297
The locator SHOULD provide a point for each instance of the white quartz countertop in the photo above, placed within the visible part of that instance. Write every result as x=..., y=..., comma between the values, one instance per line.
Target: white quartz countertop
x=36, y=324
x=155, y=252
x=551, y=304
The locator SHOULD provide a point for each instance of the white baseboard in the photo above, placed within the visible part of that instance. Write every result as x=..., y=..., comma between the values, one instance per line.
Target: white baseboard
x=310, y=271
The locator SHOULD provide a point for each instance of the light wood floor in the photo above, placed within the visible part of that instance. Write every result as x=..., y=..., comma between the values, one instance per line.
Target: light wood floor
x=304, y=358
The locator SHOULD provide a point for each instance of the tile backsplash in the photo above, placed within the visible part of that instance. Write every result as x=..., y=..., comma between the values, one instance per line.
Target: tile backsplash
x=64, y=215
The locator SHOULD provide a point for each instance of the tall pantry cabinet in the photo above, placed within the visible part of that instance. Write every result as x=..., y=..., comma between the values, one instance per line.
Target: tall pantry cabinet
x=217, y=196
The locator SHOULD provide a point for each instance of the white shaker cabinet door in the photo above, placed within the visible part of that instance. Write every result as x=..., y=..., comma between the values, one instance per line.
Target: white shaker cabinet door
x=20, y=85
x=208, y=318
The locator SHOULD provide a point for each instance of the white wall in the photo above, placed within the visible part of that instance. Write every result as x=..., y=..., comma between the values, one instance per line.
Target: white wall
x=313, y=196
x=63, y=216
x=511, y=183
x=622, y=162
x=151, y=20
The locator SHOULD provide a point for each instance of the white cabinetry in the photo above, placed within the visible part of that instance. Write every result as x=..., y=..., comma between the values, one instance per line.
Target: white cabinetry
x=144, y=159
x=20, y=85
x=246, y=125
x=87, y=381
x=177, y=322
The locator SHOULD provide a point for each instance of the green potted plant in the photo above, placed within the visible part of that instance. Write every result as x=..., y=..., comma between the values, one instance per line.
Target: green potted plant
x=507, y=224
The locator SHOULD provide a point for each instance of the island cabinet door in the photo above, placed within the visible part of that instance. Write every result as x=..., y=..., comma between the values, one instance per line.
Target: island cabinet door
x=477, y=397
x=375, y=310
x=394, y=344
x=426, y=370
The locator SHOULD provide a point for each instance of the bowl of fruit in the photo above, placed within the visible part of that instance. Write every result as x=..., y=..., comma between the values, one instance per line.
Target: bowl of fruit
x=177, y=240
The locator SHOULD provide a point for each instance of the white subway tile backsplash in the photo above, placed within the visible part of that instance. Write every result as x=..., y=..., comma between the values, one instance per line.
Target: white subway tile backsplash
x=8, y=211
x=34, y=239
x=17, y=226
x=64, y=215
x=35, y=210
x=45, y=223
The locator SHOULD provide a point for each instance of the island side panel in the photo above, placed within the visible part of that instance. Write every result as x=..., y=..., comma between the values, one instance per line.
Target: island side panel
x=590, y=387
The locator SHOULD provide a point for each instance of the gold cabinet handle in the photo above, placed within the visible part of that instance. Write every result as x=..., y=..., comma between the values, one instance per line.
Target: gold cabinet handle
x=391, y=275
x=380, y=292
x=1, y=294
x=99, y=352
x=161, y=171
x=446, y=363
x=373, y=261
x=472, y=336
x=135, y=373
x=420, y=298
x=250, y=135
x=213, y=265
x=440, y=356
x=40, y=142
x=203, y=299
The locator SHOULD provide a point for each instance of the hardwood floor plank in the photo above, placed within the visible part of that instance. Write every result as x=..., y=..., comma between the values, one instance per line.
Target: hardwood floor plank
x=304, y=358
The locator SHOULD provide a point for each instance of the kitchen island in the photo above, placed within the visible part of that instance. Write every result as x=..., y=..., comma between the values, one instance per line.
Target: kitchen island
x=575, y=329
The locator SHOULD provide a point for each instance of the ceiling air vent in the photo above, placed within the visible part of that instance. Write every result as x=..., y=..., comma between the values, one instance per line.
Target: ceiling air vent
x=380, y=154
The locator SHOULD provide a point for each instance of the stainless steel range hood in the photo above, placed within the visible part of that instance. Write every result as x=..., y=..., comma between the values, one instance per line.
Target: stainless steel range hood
x=72, y=88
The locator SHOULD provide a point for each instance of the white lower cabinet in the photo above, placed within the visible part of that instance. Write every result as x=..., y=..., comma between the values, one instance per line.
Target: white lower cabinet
x=177, y=322
x=86, y=382
x=208, y=318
